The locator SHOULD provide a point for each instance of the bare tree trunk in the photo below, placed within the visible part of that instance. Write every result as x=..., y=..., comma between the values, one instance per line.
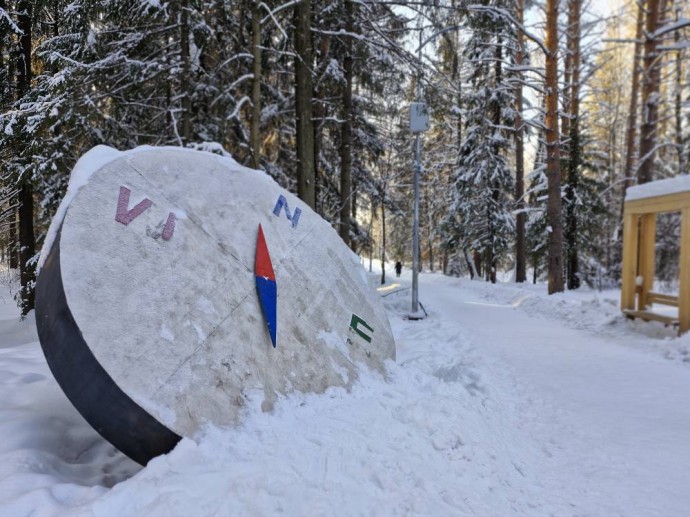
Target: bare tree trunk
x=553, y=168
x=353, y=242
x=255, y=128
x=383, y=236
x=303, y=104
x=574, y=156
x=346, y=133
x=491, y=261
x=185, y=79
x=651, y=80
x=429, y=232
x=477, y=261
x=631, y=125
x=565, y=92
x=13, y=244
x=5, y=75
x=371, y=229
x=679, y=98
x=520, y=246
x=470, y=265
x=7, y=96
x=457, y=81
x=319, y=113
x=27, y=243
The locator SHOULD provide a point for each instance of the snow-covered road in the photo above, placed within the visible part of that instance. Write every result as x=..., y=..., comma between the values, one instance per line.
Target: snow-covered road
x=623, y=414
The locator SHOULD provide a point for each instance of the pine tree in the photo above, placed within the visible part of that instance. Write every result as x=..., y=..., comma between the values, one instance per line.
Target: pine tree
x=483, y=178
x=553, y=172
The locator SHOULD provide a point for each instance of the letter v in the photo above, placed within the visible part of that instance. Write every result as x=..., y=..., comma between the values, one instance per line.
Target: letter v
x=123, y=214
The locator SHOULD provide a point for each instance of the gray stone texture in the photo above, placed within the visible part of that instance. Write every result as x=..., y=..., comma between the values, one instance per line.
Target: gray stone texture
x=177, y=323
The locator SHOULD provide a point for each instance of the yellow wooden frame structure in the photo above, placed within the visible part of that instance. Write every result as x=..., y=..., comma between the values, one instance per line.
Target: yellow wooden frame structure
x=639, y=236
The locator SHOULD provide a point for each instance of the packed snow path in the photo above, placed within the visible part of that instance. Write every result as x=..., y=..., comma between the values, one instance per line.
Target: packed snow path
x=625, y=413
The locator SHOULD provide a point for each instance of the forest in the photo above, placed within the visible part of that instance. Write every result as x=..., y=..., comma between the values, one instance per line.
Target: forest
x=542, y=113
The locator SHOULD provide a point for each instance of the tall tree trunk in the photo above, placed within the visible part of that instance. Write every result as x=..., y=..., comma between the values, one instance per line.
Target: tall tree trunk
x=631, y=124
x=491, y=262
x=319, y=113
x=255, y=127
x=353, y=242
x=520, y=246
x=457, y=82
x=371, y=230
x=679, y=97
x=553, y=168
x=306, y=180
x=346, y=132
x=429, y=232
x=185, y=79
x=565, y=92
x=651, y=81
x=13, y=241
x=477, y=261
x=7, y=75
x=574, y=155
x=4, y=76
x=383, y=235
x=27, y=243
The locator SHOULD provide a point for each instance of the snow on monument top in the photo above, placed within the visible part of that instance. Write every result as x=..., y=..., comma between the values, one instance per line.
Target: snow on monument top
x=89, y=163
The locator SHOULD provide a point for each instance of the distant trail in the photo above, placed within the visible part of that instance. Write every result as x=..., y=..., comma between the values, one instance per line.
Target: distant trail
x=625, y=413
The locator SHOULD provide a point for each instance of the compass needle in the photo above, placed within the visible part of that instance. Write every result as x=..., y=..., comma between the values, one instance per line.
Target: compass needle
x=266, y=285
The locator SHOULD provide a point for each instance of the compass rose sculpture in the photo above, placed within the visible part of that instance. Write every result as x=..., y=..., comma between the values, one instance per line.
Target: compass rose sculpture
x=180, y=285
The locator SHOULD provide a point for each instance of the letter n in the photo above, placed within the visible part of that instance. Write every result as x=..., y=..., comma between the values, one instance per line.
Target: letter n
x=282, y=202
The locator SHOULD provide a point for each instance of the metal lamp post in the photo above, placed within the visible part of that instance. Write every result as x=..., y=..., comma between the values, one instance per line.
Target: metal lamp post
x=419, y=122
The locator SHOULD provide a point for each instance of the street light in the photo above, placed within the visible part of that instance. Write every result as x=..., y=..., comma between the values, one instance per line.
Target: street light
x=419, y=122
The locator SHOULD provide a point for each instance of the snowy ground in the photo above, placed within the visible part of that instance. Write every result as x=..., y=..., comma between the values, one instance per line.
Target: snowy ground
x=504, y=401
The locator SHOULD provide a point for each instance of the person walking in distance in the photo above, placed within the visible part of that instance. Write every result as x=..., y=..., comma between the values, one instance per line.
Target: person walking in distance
x=398, y=268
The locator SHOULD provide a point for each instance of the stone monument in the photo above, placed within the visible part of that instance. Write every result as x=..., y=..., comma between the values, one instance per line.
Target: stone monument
x=175, y=285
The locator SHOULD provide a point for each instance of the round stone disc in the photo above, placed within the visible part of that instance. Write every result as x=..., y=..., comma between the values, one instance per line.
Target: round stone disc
x=156, y=316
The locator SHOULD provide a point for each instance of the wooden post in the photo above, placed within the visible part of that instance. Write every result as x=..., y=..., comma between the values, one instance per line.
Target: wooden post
x=684, y=291
x=629, y=274
x=646, y=257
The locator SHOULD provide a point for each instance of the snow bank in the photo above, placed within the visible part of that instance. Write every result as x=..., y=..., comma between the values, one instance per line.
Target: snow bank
x=597, y=313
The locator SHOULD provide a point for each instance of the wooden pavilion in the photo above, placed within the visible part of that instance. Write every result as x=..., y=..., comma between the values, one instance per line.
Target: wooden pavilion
x=642, y=204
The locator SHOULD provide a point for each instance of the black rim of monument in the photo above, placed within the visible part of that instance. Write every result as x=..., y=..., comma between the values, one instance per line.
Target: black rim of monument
x=87, y=385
